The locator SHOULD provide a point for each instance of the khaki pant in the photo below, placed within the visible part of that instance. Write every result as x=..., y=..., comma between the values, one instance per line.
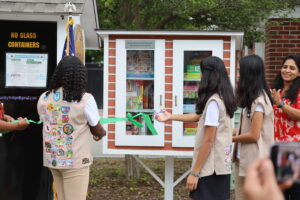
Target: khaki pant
x=71, y=184
x=238, y=183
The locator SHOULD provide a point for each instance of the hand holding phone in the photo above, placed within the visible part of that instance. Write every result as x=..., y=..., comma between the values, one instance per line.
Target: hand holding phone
x=286, y=160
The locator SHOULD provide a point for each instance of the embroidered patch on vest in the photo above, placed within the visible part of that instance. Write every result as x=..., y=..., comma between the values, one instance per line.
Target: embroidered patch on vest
x=85, y=161
x=68, y=129
x=69, y=154
x=47, y=145
x=54, y=163
x=65, y=118
x=47, y=128
x=56, y=96
x=50, y=106
x=56, y=108
x=65, y=109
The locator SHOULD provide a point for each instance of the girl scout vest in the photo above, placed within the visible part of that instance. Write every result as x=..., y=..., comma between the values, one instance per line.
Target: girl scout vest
x=252, y=151
x=66, y=132
x=219, y=158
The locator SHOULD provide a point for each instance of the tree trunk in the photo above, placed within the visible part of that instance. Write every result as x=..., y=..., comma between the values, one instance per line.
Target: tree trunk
x=132, y=168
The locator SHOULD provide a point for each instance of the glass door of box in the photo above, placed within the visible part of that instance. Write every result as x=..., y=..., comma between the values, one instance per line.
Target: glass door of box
x=186, y=79
x=139, y=81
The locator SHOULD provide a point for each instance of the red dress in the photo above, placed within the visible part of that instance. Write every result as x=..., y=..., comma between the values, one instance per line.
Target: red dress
x=286, y=129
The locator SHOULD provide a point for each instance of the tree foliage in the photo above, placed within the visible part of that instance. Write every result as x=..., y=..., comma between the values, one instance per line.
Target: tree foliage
x=243, y=15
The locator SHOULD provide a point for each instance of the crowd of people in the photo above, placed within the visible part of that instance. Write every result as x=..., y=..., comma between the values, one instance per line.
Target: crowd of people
x=268, y=114
x=70, y=115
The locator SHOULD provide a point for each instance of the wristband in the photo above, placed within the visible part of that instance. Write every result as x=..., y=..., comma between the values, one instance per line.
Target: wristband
x=281, y=104
x=195, y=175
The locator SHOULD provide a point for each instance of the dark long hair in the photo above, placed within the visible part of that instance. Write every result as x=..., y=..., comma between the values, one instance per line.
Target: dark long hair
x=252, y=81
x=292, y=92
x=71, y=75
x=215, y=80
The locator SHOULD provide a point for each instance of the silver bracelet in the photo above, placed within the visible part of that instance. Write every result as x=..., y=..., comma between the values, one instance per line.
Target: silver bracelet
x=195, y=175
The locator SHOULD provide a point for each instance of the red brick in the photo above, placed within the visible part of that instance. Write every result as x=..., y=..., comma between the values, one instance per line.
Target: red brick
x=226, y=46
x=111, y=111
x=226, y=54
x=275, y=45
x=111, y=61
x=168, y=104
x=111, y=102
x=168, y=96
x=290, y=36
x=169, y=61
x=111, y=127
x=275, y=28
x=111, y=86
x=112, y=45
x=168, y=137
x=169, y=53
x=112, y=69
x=290, y=28
x=111, y=78
x=282, y=41
x=283, y=32
x=168, y=87
x=111, y=145
x=277, y=37
x=111, y=136
x=169, y=70
x=169, y=45
x=295, y=23
x=289, y=45
x=168, y=79
x=111, y=52
x=168, y=146
x=111, y=94
x=168, y=129
x=282, y=50
x=227, y=63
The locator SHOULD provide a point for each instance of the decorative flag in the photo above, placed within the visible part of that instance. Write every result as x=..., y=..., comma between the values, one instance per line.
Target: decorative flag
x=69, y=47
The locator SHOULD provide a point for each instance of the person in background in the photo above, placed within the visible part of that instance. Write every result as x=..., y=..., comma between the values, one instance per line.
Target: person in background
x=286, y=97
x=256, y=129
x=260, y=182
x=69, y=116
x=6, y=125
x=211, y=168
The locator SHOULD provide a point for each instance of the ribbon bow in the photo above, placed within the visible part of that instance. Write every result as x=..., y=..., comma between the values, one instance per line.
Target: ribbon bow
x=131, y=119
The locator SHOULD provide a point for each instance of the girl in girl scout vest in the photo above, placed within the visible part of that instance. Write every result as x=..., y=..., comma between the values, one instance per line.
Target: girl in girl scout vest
x=211, y=168
x=256, y=130
x=69, y=116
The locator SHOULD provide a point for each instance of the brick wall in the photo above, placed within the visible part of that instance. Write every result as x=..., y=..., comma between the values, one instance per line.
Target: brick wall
x=282, y=39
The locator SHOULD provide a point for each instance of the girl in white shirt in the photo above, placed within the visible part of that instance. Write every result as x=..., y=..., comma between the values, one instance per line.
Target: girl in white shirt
x=210, y=173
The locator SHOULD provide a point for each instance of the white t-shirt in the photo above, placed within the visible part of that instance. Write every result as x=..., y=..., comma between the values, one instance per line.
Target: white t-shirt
x=212, y=114
x=259, y=108
x=91, y=112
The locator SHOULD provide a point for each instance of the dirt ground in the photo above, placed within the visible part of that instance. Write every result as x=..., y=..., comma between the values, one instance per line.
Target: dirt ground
x=108, y=180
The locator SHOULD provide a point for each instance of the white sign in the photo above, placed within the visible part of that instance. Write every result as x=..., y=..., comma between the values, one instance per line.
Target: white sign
x=26, y=70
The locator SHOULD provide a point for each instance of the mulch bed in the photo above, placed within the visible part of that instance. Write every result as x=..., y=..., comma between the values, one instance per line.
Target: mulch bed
x=108, y=180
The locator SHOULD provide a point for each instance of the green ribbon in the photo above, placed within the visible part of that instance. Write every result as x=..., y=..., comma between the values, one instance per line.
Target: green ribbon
x=129, y=118
x=16, y=121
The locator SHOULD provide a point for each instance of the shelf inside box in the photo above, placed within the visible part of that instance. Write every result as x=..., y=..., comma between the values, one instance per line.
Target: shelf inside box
x=140, y=110
x=139, y=78
x=139, y=75
x=189, y=79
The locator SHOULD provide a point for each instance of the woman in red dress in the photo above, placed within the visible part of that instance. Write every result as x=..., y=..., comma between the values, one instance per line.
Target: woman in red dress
x=286, y=98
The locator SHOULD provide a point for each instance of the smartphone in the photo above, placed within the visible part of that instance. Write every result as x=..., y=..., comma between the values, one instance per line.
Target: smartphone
x=286, y=160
